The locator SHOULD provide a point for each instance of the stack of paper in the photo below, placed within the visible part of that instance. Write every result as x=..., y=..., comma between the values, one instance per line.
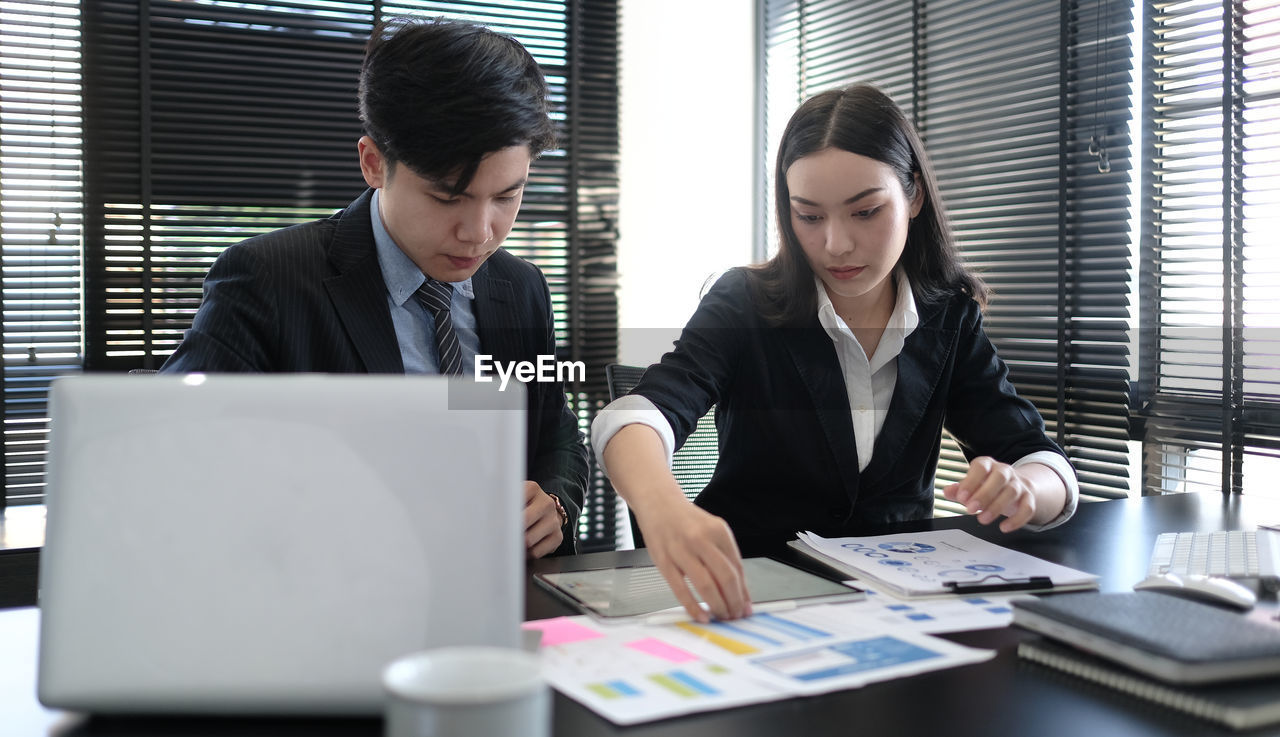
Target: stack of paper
x=940, y=563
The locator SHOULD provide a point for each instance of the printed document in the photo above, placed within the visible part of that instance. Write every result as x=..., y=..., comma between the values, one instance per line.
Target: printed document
x=632, y=673
x=941, y=563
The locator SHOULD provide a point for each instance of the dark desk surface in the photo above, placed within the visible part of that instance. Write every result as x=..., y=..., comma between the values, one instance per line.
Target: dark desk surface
x=1002, y=696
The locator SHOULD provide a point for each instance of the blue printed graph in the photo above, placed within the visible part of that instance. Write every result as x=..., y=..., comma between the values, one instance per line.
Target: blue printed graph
x=847, y=658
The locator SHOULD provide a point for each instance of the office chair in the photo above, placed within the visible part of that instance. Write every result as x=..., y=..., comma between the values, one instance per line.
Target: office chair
x=694, y=462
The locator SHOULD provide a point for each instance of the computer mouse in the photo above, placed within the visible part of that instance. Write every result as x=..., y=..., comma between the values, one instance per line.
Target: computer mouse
x=1210, y=589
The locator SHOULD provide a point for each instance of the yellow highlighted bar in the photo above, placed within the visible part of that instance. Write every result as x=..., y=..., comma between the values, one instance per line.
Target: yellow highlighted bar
x=737, y=647
x=603, y=691
x=672, y=685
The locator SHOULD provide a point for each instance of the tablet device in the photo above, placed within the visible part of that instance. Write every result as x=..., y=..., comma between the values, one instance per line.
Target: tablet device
x=641, y=591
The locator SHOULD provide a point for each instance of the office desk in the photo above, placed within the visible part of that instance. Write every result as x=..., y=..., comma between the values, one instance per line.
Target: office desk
x=1000, y=697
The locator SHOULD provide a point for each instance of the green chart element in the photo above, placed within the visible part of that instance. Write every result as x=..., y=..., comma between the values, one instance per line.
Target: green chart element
x=673, y=685
x=603, y=691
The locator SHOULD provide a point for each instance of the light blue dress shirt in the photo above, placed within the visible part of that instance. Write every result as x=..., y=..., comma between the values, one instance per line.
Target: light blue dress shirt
x=415, y=328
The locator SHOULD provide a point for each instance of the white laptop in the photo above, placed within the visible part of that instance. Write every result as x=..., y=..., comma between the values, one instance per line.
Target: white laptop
x=266, y=544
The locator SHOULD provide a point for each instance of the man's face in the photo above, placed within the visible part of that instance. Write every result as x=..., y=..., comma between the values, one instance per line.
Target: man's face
x=448, y=236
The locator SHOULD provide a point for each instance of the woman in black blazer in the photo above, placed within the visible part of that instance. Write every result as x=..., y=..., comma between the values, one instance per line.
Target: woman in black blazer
x=833, y=367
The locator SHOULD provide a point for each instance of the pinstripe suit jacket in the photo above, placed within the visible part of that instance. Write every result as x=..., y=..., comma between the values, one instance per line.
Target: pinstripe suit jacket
x=312, y=298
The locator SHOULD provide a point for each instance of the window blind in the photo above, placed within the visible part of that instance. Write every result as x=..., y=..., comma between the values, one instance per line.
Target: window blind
x=1007, y=97
x=40, y=221
x=1211, y=379
x=593, y=284
x=211, y=122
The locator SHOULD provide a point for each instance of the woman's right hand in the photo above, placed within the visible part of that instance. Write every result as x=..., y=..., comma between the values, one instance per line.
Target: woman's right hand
x=686, y=542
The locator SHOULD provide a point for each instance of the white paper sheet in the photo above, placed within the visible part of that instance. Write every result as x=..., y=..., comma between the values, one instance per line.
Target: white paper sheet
x=937, y=615
x=636, y=673
x=919, y=564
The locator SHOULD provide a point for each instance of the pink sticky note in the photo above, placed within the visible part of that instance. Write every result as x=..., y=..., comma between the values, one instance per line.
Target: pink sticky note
x=660, y=649
x=560, y=631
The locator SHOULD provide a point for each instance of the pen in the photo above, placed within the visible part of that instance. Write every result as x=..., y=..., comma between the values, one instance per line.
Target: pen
x=671, y=616
x=980, y=586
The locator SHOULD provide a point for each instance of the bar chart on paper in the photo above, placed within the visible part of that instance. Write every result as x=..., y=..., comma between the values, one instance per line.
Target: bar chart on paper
x=633, y=673
x=759, y=633
x=846, y=658
x=936, y=616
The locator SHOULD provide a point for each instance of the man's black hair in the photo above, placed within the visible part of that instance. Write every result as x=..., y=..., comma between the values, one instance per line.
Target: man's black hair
x=439, y=95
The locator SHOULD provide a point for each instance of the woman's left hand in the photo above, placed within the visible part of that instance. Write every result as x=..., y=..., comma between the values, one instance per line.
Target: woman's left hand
x=993, y=489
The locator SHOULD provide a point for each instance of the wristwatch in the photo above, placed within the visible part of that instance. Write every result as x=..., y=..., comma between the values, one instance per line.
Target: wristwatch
x=564, y=516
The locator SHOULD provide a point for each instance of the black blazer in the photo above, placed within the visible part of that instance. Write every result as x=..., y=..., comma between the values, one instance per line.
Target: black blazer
x=312, y=298
x=788, y=460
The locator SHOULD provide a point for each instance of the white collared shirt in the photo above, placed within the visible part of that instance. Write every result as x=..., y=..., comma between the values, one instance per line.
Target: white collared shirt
x=415, y=327
x=869, y=381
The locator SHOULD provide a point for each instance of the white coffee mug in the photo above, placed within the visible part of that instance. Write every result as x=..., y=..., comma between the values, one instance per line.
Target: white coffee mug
x=467, y=692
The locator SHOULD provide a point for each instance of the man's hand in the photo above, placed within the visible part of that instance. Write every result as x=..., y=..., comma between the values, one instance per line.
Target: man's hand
x=992, y=489
x=685, y=541
x=542, y=523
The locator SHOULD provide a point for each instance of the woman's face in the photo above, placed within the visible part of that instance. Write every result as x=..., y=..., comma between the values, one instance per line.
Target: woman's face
x=850, y=215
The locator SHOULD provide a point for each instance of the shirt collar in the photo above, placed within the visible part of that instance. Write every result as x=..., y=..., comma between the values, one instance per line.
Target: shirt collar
x=401, y=274
x=904, y=317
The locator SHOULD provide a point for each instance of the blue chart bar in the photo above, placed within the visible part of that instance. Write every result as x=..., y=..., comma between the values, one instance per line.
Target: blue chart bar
x=744, y=632
x=692, y=683
x=845, y=658
x=623, y=688
x=786, y=626
x=879, y=652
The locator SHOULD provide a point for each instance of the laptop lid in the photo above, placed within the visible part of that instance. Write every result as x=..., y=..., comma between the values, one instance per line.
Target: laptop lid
x=266, y=544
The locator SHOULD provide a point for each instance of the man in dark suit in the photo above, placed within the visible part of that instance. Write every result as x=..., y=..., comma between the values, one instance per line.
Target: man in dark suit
x=410, y=277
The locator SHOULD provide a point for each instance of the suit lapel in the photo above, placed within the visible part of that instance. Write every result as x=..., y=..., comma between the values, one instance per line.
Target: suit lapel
x=494, y=309
x=920, y=364
x=814, y=357
x=358, y=291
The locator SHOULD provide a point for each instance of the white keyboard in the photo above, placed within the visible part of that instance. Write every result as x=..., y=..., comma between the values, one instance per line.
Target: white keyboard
x=1232, y=554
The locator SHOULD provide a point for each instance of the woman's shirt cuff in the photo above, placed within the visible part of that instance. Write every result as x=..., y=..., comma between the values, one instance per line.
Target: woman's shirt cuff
x=1062, y=467
x=631, y=409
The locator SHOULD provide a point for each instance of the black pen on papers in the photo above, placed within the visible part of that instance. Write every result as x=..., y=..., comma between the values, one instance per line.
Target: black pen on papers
x=982, y=587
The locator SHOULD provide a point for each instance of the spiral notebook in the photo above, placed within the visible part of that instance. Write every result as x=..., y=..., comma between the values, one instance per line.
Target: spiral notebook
x=1238, y=705
x=1171, y=639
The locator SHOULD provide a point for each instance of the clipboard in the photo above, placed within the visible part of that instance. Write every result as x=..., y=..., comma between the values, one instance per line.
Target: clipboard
x=641, y=593
x=940, y=563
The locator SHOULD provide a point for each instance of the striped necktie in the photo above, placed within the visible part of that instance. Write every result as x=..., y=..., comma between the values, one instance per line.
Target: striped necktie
x=437, y=296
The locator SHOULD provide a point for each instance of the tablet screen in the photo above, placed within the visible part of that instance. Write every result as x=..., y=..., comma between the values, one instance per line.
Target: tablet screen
x=641, y=590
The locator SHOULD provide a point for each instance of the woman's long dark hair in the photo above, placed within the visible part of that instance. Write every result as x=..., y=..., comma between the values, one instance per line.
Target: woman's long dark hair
x=862, y=120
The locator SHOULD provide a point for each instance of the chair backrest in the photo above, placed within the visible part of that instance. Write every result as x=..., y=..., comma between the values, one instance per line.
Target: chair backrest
x=694, y=463
x=622, y=379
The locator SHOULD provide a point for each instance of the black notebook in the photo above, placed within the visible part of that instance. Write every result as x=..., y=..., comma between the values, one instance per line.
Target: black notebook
x=1170, y=639
x=1239, y=705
